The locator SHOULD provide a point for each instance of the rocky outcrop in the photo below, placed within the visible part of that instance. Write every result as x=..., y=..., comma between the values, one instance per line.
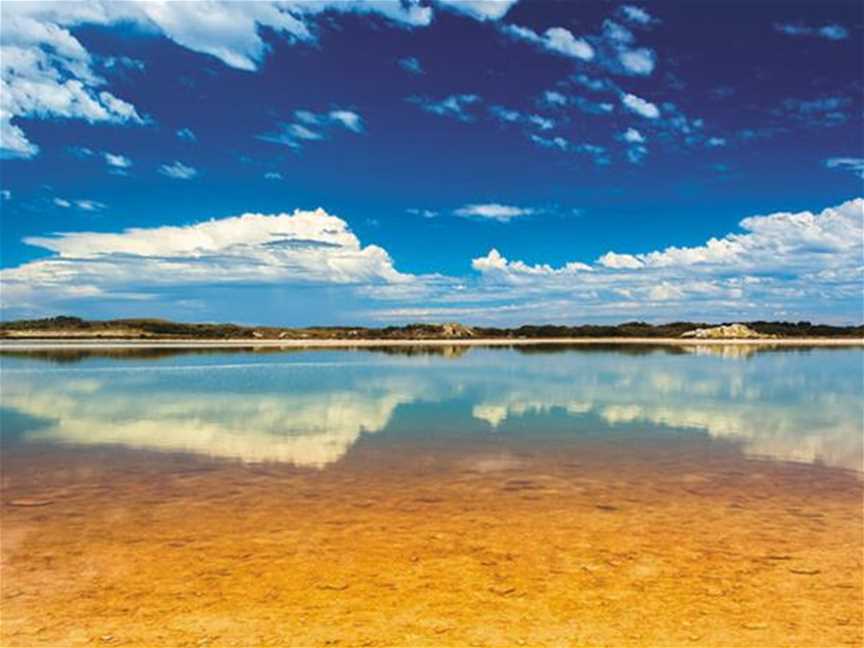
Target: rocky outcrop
x=727, y=331
x=456, y=330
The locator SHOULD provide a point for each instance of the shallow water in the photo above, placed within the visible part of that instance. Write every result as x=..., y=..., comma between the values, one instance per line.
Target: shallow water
x=592, y=496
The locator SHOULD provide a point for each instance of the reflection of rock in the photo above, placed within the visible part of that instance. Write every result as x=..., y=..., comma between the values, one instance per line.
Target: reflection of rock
x=729, y=331
x=726, y=351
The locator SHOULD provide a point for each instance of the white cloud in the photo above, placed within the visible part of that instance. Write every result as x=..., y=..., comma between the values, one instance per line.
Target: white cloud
x=639, y=61
x=595, y=85
x=84, y=205
x=349, y=119
x=186, y=135
x=303, y=248
x=117, y=161
x=715, y=142
x=633, y=136
x=855, y=165
x=828, y=32
x=790, y=265
x=5, y=194
x=479, y=9
x=515, y=271
x=618, y=261
x=272, y=175
x=635, y=154
x=454, y=106
x=543, y=123
x=616, y=51
x=636, y=14
x=555, y=39
x=47, y=72
x=780, y=263
x=314, y=127
x=411, y=64
x=425, y=213
x=178, y=171
x=554, y=98
x=505, y=114
x=640, y=106
x=494, y=211
x=89, y=205
x=557, y=142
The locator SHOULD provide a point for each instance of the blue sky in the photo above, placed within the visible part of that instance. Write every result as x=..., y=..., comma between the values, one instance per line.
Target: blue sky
x=493, y=162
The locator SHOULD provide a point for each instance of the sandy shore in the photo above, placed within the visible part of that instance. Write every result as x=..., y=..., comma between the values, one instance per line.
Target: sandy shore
x=465, y=544
x=26, y=344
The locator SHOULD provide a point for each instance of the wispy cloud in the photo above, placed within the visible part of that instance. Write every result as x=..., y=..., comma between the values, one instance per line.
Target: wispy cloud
x=186, y=135
x=494, y=211
x=84, y=205
x=117, y=164
x=853, y=164
x=310, y=126
x=454, y=106
x=411, y=64
x=828, y=32
x=425, y=213
x=178, y=171
x=636, y=15
x=41, y=50
x=829, y=110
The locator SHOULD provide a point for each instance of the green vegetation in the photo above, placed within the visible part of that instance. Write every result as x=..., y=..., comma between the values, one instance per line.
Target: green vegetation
x=67, y=327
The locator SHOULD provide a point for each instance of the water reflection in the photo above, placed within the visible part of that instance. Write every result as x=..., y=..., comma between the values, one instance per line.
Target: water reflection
x=309, y=408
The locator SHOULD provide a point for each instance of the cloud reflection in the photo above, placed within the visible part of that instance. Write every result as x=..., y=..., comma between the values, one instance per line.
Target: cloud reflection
x=788, y=406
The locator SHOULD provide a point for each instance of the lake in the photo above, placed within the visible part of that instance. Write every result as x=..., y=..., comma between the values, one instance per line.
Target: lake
x=433, y=496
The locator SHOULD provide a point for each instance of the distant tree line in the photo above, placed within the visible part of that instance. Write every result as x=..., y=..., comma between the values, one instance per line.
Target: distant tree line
x=68, y=326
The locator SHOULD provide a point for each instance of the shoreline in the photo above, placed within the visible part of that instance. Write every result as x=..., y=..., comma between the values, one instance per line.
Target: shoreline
x=31, y=344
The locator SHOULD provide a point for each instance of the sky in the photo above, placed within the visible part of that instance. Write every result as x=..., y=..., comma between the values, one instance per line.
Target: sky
x=493, y=162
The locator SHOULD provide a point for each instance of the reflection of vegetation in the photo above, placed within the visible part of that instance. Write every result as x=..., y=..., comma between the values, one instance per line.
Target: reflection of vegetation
x=72, y=356
x=74, y=327
x=446, y=351
x=625, y=349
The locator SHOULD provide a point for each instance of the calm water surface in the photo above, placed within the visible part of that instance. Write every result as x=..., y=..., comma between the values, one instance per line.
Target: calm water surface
x=594, y=496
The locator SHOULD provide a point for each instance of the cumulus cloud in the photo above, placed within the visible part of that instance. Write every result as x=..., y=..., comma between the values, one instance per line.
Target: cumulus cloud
x=633, y=136
x=455, y=106
x=640, y=106
x=780, y=263
x=47, y=72
x=832, y=32
x=494, y=211
x=791, y=265
x=305, y=248
x=479, y=9
x=310, y=126
x=178, y=171
x=557, y=40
